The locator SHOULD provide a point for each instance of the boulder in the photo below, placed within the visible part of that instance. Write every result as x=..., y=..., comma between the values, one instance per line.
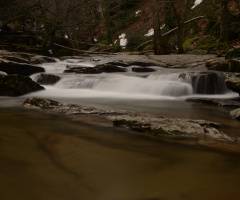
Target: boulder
x=233, y=103
x=167, y=127
x=41, y=59
x=219, y=64
x=17, y=85
x=16, y=59
x=233, y=83
x=233, y=53
x=107, y=68
x=41, y=103
x=235, y=114
x=47, y=79
x=143, y=69
x=19, y=68
x=234, y=65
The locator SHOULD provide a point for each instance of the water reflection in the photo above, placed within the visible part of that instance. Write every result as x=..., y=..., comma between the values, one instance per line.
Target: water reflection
x=49, y=157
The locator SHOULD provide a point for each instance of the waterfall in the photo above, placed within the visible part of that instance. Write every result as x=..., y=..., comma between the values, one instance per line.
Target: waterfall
x=209, y=83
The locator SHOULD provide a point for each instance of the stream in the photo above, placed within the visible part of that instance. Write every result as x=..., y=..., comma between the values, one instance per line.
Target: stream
x=50, y=157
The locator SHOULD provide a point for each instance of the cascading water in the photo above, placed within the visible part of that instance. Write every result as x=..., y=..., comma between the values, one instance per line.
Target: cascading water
x=168, y=84
x=209, y=83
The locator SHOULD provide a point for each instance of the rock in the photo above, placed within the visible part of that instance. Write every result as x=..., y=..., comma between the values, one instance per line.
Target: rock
x=107, y=68
x=233, y=83
x=41, y=103
x=143, y=69
x=215, y=102
x=233, y=53
x=220, y=64
x=215, y=62
x=158, y=126
x=234, y=65
x=142, y=64
x=17, y=85
x=41, y=59
x=120, y=63
x=235, y=114
x=16, y=59
x=47, y=79
x=18, y=68
x=170, y=127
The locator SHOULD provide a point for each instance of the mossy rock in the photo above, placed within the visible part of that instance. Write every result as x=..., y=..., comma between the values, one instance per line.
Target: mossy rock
x=233, y=53
x=17, y=85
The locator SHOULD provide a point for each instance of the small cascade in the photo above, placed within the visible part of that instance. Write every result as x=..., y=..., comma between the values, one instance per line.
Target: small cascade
x=209, y=83
x=175, y=77
x=127, y=84
x=71, y=82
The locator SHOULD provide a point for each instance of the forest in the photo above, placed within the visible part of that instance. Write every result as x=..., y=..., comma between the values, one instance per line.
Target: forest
x=97, y=25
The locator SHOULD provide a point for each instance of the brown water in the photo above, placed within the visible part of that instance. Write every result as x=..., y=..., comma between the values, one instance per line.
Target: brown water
x=47, y=157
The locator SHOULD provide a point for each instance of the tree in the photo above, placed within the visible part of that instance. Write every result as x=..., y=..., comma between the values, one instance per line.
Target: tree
x=181, y=10
x=224, y=32
x=157, y=37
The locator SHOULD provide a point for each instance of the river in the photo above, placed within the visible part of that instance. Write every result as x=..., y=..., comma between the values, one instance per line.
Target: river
x=48, y=156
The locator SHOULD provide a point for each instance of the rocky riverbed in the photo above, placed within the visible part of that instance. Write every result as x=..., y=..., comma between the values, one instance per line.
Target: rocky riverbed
x=202, y=132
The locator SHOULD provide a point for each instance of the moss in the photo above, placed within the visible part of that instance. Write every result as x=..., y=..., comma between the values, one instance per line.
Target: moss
x=189, y=42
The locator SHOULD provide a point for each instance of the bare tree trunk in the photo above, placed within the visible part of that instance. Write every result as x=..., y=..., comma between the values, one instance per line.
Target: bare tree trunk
x=157, y=37
x=180, y=21
x=224, y=35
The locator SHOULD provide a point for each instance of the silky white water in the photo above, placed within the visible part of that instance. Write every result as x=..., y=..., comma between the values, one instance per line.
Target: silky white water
x=162, y=84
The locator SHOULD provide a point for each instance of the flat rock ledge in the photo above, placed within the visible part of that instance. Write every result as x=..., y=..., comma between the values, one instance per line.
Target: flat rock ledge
x=167, y=128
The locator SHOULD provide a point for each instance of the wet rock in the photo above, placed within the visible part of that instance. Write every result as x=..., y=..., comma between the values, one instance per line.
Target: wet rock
x=234, y=65
x=107, y=68
x=235, y=114
x=17, y=85
x=19, y=68
x=233, y=82
x=158, y=126
x=41, y=59
x=41, y=103
x=171, y=127
x=120, y=63
x=215, y=102
x=16, y=59
x=143, y=69
x=142, y=64
x=47, y=79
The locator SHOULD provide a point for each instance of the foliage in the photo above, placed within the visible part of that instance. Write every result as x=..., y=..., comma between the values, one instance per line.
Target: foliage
x=134, y=40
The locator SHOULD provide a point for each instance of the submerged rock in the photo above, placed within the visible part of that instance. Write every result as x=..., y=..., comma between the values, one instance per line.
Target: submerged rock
x=107, y=68
x=47, y=79
x=143, y=69
x=235, y=114
x=19, y=68
x=17, y=85
x=41, y=59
